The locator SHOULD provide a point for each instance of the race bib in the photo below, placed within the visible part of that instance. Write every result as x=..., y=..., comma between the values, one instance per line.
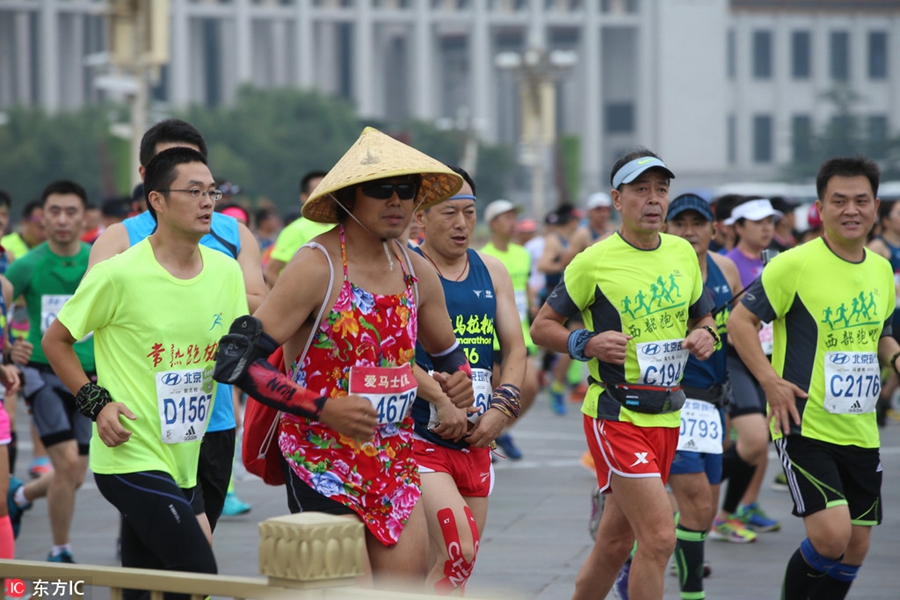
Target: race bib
x=767, y=338
x=661, y=363
x=391, y=390
x=185, y=400
x=521, y=304
x=481, y=386
x=51, y=304
x=701, y=427
x=852, y=382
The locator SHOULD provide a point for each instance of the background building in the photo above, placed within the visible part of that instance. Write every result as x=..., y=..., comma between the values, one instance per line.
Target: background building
x=724, y=90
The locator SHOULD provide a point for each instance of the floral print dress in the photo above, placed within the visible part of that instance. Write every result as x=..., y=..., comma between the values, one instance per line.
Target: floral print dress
x=378, y=479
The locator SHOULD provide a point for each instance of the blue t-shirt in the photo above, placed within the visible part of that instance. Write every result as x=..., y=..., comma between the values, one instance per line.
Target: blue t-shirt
x=225, y=237
x=473, y=308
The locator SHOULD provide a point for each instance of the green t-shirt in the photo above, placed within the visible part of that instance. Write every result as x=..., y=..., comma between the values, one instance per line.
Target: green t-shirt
x=46, y=281
x=156, y=341
x=295, y=235
x=518, y=262
x=647, y=294
x=828, y=316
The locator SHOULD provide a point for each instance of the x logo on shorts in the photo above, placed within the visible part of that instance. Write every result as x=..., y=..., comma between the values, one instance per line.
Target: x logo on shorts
x=641, y=458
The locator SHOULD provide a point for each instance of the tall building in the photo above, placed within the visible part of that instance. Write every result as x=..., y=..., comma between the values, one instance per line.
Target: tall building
x=724, y=90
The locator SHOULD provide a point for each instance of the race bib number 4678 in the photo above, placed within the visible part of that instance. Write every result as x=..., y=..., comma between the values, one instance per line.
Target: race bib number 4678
x=391, y=390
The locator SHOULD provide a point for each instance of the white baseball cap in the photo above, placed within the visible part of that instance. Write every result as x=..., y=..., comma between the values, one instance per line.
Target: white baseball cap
x=598, y=200
x=497, y=208
x=753, y=210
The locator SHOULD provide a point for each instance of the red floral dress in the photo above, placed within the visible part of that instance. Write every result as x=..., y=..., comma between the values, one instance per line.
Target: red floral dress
x=378, y=479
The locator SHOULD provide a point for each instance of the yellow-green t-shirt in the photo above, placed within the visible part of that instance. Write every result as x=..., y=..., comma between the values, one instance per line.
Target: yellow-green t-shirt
x=155, y=340
x=14, y=243
x=295, y=235
x=518, y=262
x=828, y=316
x=647, y=294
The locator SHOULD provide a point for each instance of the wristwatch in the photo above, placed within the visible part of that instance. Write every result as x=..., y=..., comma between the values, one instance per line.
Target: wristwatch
x=712, y=332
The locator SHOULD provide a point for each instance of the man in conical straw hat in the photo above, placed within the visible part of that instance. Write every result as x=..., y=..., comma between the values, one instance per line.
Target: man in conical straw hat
x=347, y=310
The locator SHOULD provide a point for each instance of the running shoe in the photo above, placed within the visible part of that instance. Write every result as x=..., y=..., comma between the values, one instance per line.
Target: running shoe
x=780, y=483
x=620, y=587
x=15, y=511
x=63, y=557
x=731, y=530
x=506, y=442
x=234, y=506
x=557, y=399
x=40, y=466
x=753, y=517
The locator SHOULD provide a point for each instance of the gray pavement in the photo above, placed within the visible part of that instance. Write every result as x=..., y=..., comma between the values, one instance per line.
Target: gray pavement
x=536, y=536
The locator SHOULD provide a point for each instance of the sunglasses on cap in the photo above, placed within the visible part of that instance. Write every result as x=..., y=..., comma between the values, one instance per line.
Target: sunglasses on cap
x=383, y=190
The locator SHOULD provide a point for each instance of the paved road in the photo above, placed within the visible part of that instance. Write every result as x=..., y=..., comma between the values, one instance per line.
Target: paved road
x=536, y=536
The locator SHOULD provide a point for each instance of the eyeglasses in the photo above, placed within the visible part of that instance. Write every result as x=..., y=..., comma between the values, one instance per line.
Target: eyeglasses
x=383, y=191
x=214, y=195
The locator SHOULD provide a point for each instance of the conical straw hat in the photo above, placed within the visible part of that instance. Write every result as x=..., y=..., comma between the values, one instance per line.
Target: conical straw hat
x=377, y=156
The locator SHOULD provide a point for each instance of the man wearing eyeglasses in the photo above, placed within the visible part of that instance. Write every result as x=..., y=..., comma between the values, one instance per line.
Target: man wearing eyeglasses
x=46, y=277
x=155, y=394
x=229, y=237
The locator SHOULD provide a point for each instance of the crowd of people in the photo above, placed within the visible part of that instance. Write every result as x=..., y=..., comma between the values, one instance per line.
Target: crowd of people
x=395, y=357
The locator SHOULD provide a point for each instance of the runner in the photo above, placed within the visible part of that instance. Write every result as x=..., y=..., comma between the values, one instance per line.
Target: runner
x=753, y=222
x=154, y=395
x=46, y=277
x=500, y=216
x=638, y=292
x=343, y=456
x=822, y=385
x=455, y=460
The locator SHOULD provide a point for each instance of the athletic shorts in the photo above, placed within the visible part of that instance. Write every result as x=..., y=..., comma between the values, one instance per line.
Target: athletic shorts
x=5, y=431
x=687, y=463
x=214, y=472
x=302, y=498
x=747, y=395
x=821, y=475
x=53, y=410
x=470, y=468
x=628, y=450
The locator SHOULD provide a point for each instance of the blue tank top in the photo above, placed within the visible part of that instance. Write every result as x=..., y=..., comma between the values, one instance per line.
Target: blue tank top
x=472, y=309
x=225, y=237
x=707, y=373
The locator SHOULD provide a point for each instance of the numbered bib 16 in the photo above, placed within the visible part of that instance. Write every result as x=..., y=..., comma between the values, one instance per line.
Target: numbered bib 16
x=701, y=428
x=852, y=382
x=184, y=400
x=391, y=390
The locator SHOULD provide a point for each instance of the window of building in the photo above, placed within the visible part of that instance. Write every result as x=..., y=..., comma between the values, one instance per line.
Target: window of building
x=762, y=54
x=878, y=128
x=801, y=56
x=762, y=138
x=620, y=117
x=730, y=60
x=802, y=138
x=840, y=55
x=878, y=54
x=732, y=139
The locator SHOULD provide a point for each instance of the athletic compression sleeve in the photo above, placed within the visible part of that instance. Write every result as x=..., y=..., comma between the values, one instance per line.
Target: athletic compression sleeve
x=241, y=361
x=450, y=360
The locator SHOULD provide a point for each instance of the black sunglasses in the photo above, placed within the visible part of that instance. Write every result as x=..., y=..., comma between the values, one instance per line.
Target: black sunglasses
x=383, y=190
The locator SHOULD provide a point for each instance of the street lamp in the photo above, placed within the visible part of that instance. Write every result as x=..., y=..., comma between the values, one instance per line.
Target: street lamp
x=537, y=71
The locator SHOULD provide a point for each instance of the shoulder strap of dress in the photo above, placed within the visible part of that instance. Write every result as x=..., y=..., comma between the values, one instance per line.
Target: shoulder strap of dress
x=412, y=271
x=315, y=327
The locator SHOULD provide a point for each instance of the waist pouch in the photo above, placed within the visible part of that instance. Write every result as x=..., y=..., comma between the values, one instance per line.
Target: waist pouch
x=715, y=394
x=649, y=399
